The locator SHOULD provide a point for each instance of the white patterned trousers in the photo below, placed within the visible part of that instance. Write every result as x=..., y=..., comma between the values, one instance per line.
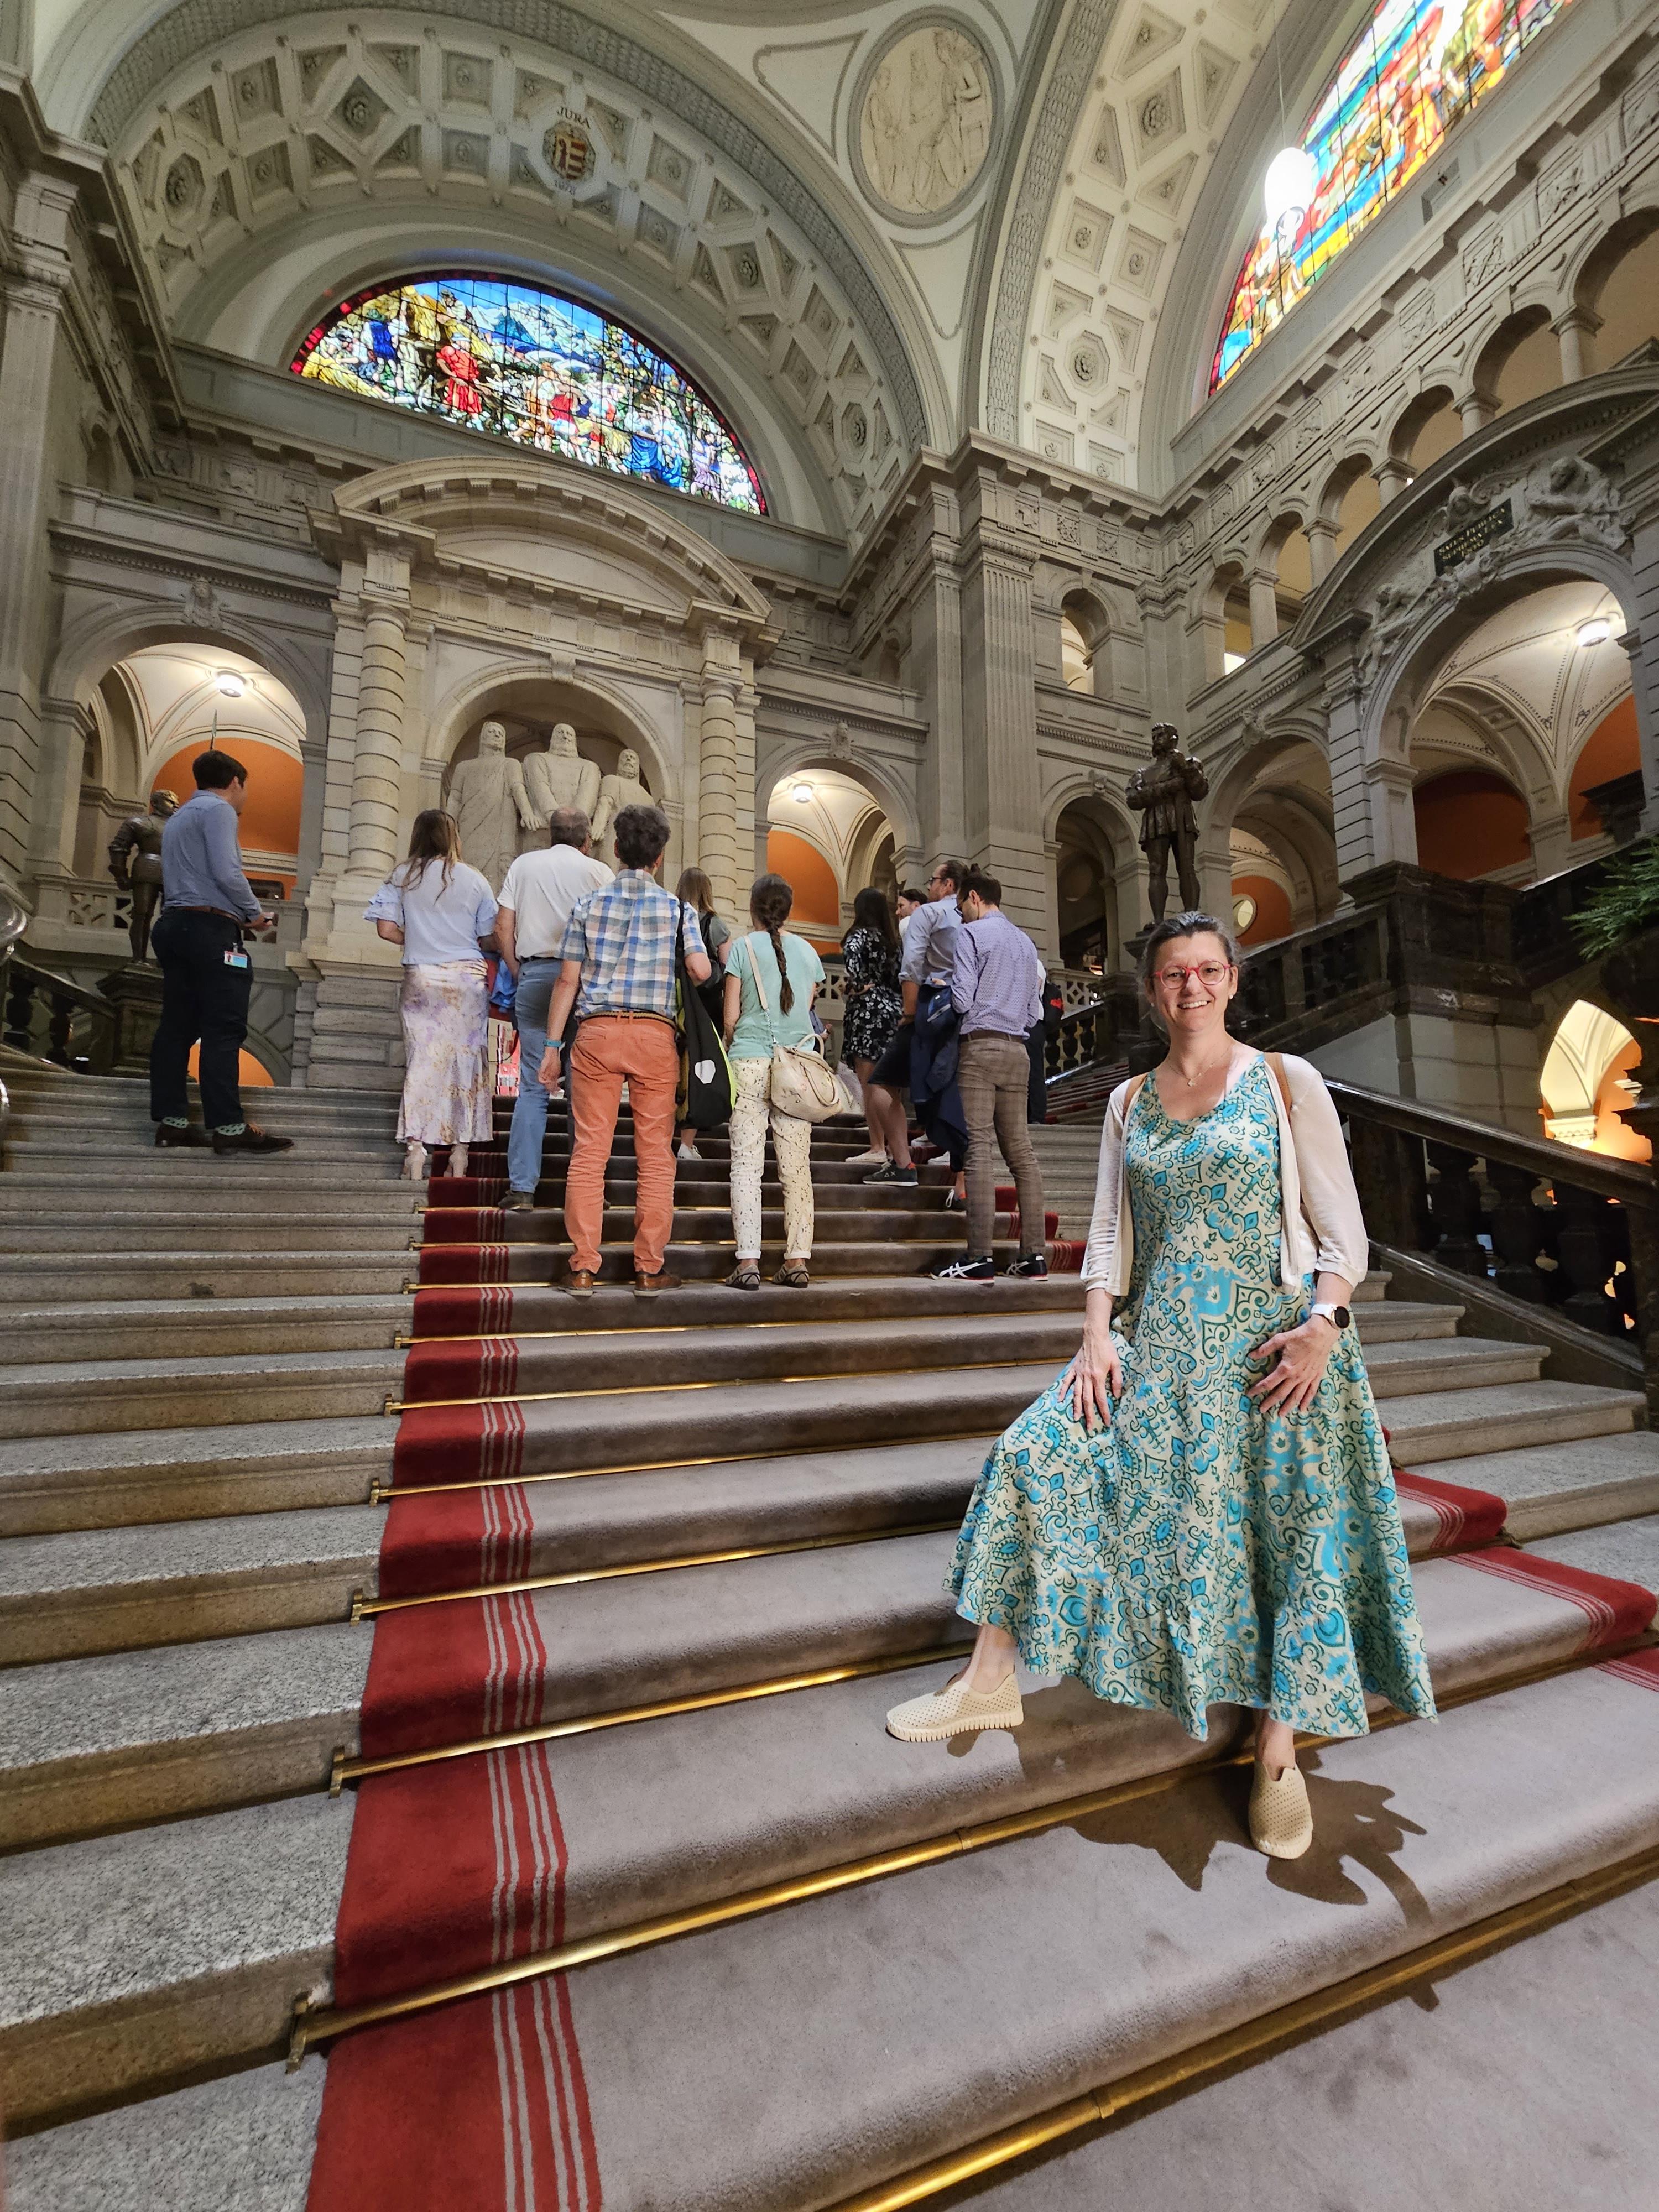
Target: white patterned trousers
x=792, y=1140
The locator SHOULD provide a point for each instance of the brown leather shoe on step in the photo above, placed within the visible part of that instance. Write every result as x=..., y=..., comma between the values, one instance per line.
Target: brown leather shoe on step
x=579, y=1281
x=195, y=1139
x=250, y=1137
x=647, y=1286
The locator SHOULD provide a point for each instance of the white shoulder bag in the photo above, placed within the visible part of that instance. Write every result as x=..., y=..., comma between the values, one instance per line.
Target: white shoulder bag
x=803, y=1084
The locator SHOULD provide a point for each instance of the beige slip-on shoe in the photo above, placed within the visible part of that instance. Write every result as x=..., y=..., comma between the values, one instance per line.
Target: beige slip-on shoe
x=954, y=1708
x=1281, y=1819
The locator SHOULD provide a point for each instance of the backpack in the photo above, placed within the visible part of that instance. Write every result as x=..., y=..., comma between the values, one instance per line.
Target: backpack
x=704, y=1096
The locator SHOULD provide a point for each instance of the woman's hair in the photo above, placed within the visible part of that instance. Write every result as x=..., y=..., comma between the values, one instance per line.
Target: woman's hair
x=1183, y=925
x=770, y=902
x=870, y=911
x=435, y=836
x=694, y=888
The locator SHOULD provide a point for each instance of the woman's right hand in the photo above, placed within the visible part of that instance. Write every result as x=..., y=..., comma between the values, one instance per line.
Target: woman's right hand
x=1095, y=1378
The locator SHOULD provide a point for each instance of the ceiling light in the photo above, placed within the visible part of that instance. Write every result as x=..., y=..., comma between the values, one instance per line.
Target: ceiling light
x=802, y=794
x=231, y=685
x=1288, y=189
x=1597, y=631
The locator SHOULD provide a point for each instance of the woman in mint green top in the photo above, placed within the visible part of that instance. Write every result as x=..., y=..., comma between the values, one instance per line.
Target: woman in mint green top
x=771, y=980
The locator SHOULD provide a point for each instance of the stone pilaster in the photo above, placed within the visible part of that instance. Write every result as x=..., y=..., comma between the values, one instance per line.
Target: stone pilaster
x=717, y=845
x=378, y=753
x=936, y=658
x=1003, y=811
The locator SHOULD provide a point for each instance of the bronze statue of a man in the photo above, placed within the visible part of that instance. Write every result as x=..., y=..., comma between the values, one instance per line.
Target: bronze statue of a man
x=1163, y=792
x=134, y=861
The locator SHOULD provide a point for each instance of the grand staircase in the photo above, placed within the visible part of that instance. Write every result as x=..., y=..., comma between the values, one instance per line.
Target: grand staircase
x=385, y=1630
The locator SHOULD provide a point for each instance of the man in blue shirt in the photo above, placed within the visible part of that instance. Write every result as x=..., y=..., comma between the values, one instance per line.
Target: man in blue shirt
x=996, y=987
x=207, y=906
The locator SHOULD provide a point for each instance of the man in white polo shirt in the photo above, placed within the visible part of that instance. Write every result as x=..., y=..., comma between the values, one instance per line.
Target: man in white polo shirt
x=537, y=896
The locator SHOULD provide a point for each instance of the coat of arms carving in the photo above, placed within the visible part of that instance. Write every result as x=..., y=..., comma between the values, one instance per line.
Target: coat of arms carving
x=568, y=147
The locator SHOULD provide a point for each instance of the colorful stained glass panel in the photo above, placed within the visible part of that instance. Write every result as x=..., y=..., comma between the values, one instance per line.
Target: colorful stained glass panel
x=538, y=368
x=1417, y=68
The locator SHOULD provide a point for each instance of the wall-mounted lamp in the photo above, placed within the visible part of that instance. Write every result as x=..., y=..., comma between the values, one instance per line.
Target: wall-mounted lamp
x=231, y=685
x=802, y=794
x=1594, y=632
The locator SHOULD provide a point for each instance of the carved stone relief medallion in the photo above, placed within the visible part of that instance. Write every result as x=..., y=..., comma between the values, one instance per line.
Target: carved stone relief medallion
x=924, y=118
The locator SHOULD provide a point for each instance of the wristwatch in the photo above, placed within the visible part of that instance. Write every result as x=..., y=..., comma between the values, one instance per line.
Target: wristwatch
x=1338, y=1317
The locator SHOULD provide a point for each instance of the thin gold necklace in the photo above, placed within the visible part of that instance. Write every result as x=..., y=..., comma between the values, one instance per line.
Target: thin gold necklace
x=1192, y=1082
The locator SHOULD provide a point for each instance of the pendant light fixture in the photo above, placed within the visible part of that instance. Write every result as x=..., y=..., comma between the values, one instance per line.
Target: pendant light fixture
x=1288, y=188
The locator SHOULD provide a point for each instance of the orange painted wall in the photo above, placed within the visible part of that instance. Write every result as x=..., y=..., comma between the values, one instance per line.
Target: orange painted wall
x=1614, y=1134
x=1272, y=908
x=1610, y=749
x=249, y=1073
x=817, y=911
x=1468, y=823
x=271, y=819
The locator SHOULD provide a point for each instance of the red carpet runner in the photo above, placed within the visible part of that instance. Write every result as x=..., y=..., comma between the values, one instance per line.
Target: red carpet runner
x=462, y=1864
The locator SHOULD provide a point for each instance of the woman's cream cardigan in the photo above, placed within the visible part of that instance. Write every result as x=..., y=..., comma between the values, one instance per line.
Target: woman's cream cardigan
x=1322, y=1231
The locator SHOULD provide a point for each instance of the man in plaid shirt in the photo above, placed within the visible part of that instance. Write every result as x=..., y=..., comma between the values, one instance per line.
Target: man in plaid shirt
x=617, y=970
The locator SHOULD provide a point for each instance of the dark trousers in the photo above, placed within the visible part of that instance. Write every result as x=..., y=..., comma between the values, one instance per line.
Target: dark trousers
x=203, y=999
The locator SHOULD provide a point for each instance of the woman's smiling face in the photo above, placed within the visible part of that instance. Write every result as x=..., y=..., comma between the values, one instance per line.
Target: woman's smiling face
x=1193, y=983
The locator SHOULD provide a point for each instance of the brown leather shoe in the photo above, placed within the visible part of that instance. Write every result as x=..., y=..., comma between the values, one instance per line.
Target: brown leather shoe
x=195, y=1139
x=250, y=1137
x=579, y=1281
x=647, y=1286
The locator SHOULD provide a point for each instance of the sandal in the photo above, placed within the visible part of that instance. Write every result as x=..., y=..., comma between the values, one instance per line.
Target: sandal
x=794, y=1276
x=744, y=1277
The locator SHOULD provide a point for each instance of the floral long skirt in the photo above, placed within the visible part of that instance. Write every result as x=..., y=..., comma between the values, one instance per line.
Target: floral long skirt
x=446, y=1012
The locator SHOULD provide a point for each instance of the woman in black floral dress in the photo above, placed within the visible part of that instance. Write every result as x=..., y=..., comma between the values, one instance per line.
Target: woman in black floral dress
x=874, y=1008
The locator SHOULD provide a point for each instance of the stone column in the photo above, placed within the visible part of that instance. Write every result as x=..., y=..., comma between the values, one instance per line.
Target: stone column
x=1350, y=807
x=748, y=700
x=1576, y=330
x=936, y=658
x=1552, y=843
x=1388, y=787
x=1642, y=644
x=1475, y=410
x=1264, y=611
x=1321, y=547
x=33, y=298
x=1003, y=810
x=1392, y=478
x=718, y=848
x=1050, y=896
x=378, y=757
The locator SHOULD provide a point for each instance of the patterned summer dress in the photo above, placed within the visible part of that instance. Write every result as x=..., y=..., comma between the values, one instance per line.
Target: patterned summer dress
x=873, y=1017
x=1198, y=1551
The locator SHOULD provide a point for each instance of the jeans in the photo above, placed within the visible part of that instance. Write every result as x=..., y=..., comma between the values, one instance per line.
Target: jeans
x=994, y=1073
x=646, y=1055
x=530, y=1007
x=201, y=997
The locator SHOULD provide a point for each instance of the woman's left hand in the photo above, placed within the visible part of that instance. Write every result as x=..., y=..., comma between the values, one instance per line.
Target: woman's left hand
x=548, y=1073
x=1291, y=1384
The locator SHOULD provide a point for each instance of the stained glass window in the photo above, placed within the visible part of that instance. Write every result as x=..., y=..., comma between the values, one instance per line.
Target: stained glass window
x=1418, y=67
x=529, y=365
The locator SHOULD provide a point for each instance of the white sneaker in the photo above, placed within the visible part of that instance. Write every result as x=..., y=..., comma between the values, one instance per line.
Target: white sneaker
x=689, y=1153
x=954, y=1708
x=870, y=1159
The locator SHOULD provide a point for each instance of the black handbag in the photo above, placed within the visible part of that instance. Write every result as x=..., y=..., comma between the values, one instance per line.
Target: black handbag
x=704, y=1098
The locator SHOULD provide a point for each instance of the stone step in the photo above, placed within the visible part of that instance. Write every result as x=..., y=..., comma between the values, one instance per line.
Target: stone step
x=97, y=1146
x=134, y=1328
x=92, y=1397
x=172, y=1948
x=1576, y=1483
x=70, y=1199
x=124, y=1589
x=183, y=1727
x=133, y=1476
x=1427, y=1427
x=249, y=1229
x=142, y=1273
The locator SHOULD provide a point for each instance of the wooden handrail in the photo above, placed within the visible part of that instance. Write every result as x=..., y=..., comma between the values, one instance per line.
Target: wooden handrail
x=1624, y=1180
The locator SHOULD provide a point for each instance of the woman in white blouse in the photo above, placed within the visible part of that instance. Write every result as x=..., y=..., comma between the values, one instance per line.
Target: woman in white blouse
x=1200, y=1510
x=443, y=915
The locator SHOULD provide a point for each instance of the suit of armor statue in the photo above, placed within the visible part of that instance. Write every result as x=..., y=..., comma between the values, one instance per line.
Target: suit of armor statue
x=487, y=798
x=559, y=777
x=616, y=792
x=1162, y=793
x=134, y=861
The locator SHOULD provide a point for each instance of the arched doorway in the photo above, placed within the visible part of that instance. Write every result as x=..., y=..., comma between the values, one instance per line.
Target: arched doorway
x=1586, y=1081
x=1281, y=842
x=829, y=838
x=1085, y=883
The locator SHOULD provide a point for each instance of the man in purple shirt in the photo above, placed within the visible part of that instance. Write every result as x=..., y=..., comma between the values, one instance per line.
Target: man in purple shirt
x=996, y=987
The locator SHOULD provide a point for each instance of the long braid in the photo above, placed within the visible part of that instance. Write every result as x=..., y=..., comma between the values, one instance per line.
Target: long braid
x=769, y=903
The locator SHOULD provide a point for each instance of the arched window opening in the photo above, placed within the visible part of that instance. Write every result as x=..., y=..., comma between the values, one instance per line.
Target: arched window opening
x=1471, y=823
x=1611, y=756
x=1262, y=890
x=1236, y=617
x=1585, y=1083
x=1415, y=70
x=1627, y=300
x=1532, y=364
x=1295, y=578
x=519, y=362
x=1086, y=891
x=1362, y=503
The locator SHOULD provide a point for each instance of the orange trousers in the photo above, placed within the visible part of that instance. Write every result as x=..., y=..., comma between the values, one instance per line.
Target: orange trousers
x=606, y=1055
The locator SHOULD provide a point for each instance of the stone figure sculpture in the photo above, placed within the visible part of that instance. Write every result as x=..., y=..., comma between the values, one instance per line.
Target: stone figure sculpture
x=487, y=798
x=1163, y=793
x=561, y=776
x=616, y=792
x=926, y=126
x=134, y=861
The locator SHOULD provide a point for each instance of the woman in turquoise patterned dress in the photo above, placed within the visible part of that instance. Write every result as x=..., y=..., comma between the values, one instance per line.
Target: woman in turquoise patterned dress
x=1199, y=1510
